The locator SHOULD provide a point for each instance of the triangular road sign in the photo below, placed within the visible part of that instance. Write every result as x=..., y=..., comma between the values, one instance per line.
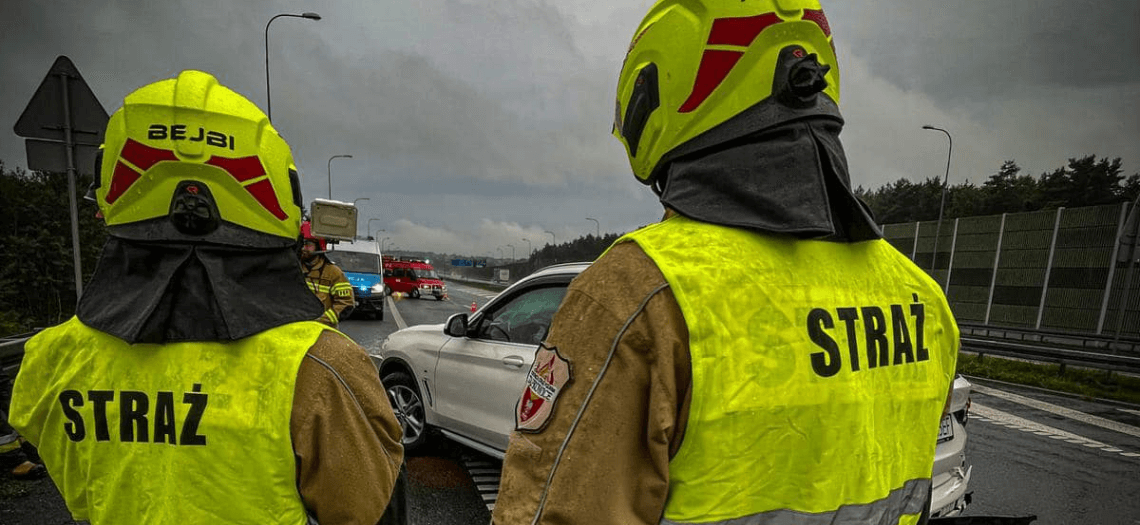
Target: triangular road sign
x=44, y=116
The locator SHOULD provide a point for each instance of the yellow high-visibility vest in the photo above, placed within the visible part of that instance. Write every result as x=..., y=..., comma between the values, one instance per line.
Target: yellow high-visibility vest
x=193, y=432
x=820, y=370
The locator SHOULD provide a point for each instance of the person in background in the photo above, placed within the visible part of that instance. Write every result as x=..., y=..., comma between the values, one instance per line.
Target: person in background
x=192, y=385
x=325, y=279
x=761, y=355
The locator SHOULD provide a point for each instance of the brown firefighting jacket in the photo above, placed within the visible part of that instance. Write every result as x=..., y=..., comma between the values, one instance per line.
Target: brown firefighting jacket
x=330, y=285
x=346, y=438
x=616, y=467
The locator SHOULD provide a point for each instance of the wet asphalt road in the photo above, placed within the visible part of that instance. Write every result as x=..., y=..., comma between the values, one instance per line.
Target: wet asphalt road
x=1064, y=467
x=1066, y=460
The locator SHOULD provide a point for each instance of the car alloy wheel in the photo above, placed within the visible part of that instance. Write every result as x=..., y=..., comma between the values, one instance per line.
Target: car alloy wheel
x=408, y=407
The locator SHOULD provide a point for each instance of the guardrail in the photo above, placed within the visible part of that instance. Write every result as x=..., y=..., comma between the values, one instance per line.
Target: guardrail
x=1052, y=354
x=12, y=352
x=499, y=284
x=1092, y=342
x=1064, y=348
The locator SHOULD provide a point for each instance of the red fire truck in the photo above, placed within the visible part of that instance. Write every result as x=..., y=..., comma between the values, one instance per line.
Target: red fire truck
x=414, y=278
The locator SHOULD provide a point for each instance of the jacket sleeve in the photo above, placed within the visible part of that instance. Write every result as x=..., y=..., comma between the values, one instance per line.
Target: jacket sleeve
x=603, y=454
x=341, y=292
x=346, y=439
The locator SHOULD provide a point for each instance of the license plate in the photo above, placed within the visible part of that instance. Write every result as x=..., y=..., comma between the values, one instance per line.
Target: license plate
x=945, y=430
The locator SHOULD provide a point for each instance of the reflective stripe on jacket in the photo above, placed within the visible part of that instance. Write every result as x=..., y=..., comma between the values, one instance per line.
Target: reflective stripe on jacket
x=195, y=432
x=820, y=371
x=331, y=286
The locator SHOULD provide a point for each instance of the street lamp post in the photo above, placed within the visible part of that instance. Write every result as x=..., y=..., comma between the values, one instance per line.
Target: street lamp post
x=330, y=170
x=268, y=99
x=512, y=252
x=529, y=248
x=382, y=241
x=500, y=248
x=370, y=227
x=358, y=200
x=553, y=239
x=942, y=206
x=597, y=227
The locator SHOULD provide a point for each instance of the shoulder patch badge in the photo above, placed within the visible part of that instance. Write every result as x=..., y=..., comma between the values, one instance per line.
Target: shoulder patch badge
x=549, y=373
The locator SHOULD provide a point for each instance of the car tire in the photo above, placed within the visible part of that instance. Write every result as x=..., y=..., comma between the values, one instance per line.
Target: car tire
x=439, y=298
x=414, y=294
x=380, y=314
x=408, y=405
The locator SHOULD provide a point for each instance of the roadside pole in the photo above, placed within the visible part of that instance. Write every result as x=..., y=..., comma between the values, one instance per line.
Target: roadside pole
x=64, y=124
x=69, y=145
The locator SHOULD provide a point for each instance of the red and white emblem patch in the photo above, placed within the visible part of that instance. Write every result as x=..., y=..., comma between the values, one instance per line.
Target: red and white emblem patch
x=549, y=373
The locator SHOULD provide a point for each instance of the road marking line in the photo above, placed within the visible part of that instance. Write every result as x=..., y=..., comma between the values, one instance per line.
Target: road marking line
x=1134, y=412
x=400, y=324
x=1006, y=419
x=1061, y=411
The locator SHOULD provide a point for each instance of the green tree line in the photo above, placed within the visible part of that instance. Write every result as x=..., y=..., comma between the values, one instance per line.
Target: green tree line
x=37, y=271
x=1085, y=181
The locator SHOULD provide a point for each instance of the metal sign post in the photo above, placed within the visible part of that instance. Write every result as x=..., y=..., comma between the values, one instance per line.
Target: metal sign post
x=62, y=122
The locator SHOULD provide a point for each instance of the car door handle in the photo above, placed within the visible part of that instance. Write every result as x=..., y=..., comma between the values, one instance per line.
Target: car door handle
x=513, y=361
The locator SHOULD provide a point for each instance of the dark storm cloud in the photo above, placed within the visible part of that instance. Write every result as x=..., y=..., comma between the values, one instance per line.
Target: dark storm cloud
x=468, y=118
x=986, y=51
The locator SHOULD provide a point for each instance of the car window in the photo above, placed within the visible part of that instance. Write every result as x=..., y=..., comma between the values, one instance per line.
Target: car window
x=425, y=273
x=525, y=318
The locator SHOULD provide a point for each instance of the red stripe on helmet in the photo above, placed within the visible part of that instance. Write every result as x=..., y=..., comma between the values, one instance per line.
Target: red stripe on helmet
x=242, y=169
x=262, y=190
x=144, y=156
x=122, y=179
x=817, y=16
x=715, y=65
x=740, y=31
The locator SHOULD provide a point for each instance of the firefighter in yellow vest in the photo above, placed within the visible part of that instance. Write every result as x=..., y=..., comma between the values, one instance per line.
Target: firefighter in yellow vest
x=325, y=279
x=192, y=385
x=761, y=355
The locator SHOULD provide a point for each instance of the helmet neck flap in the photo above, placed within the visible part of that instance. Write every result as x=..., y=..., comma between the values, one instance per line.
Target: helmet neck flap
x=789, y=179
x=168, y=292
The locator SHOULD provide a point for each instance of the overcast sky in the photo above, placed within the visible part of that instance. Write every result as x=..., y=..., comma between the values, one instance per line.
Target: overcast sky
x=474, y=125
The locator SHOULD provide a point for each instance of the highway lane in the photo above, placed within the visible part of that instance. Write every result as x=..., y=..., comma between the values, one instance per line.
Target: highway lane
x=1066, y=460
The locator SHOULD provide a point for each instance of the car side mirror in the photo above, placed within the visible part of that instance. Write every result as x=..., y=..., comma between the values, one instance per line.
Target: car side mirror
x=456, y=325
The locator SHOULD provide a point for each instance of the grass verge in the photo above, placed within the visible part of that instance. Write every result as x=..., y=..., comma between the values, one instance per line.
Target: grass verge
x=1080, y=381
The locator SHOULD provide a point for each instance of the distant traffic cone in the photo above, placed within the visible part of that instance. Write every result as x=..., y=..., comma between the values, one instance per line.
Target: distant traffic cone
x=473, y=307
